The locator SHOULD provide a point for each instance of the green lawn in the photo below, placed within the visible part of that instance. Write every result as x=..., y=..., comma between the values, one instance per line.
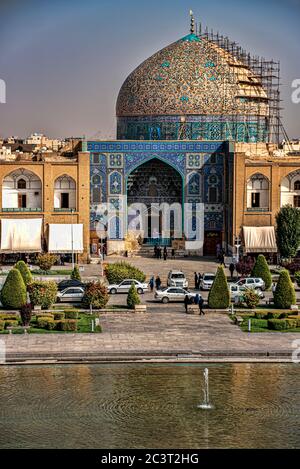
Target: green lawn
x=259, y=325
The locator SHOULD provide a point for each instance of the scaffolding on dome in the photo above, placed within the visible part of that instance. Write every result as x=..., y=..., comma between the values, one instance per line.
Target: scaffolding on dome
x=266, y=74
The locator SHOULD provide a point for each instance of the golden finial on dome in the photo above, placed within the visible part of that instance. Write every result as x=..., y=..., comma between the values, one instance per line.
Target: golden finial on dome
x=192, y=22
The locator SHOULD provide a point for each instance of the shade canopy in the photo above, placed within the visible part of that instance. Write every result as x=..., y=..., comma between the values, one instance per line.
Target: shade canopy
x=65, y=238
x=21, y=235
x=259, y=239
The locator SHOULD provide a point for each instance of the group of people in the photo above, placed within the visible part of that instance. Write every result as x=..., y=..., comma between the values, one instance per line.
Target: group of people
x=198, y=278
x=194, y=300
x=160, y=253
x=155, y=281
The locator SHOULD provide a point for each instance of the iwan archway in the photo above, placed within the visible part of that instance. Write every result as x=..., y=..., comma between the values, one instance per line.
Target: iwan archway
x=155, y=193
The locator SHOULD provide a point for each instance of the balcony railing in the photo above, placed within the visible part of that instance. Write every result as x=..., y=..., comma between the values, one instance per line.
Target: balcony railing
x=258, y=209
x=21, y=209
x=64, y=209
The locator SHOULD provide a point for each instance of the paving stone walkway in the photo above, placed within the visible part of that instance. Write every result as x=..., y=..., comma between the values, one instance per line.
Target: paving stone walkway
x=155, y=332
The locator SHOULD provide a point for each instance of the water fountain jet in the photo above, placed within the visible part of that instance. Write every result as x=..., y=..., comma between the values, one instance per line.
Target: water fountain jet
x=206, y=404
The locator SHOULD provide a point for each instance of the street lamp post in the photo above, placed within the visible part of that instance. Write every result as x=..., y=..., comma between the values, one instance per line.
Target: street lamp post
x=72, y=239
x=237, y=244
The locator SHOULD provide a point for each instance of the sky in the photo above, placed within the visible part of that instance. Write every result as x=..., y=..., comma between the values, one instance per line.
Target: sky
x=64, y=61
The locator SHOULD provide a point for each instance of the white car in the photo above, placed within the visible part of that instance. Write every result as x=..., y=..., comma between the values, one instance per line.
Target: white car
x=71, y=294
x=237, y=291
x=176, y=278
x=207, y=281
x=172, y=294
x=252, y=282
x=124, y=286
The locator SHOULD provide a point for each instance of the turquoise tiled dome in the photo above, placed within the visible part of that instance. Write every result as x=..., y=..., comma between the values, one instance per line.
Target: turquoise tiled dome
x=192, y=76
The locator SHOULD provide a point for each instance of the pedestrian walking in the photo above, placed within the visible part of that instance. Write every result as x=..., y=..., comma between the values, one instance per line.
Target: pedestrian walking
x=159, y=252
x=222, y=259
x=173, y=253
x=186, y=302
x=196, y=280
x=155, y=251
x=231, y=270
x=157, y=283
x=273, y=287
x=196, y=299
x=165, y=253
x=151, y=283
x=199, y=280
x=201, y=303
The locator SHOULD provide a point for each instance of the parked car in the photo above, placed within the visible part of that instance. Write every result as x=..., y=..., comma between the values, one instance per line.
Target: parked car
x=239, y=290
x=124, y=286
x=252, y=282
x=172, y=294
x=207, y=281
x=71, y=294
x=176, y=278
x=69, y=283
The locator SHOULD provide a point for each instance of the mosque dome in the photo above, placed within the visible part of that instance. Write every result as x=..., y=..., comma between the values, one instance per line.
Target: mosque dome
x=190, y=76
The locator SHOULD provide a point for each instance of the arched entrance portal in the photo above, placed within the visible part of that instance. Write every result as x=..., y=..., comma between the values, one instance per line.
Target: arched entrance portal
x=152, y=184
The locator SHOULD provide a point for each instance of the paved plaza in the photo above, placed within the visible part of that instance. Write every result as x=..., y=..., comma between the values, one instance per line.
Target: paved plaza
x=157, y=334
x=164, y=329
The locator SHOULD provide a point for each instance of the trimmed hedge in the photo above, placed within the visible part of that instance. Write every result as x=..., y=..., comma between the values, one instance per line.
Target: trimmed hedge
x=43, y=293
x=24, y=271
x=75, y=274
x=9, y=316
x=45, y=316
x=284, y=295
x=219, y=297
x=11, y=323
x=2, y=325
x=262, y=270
x=13, y=293
x=95, y=294
x=71, y=314
x=43, y=322
x=262, y=323
x=119, y=271
x=58, y=316
x=271, y=315
x=67, y=325
x=283, y=324
x=133, y=297
x=297, y=278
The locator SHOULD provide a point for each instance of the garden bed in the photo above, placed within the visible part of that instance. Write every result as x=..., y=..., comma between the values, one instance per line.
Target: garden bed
x=59, y=323
x=269, y=321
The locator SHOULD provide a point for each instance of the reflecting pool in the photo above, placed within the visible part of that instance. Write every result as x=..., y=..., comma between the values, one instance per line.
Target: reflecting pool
x=150, y=406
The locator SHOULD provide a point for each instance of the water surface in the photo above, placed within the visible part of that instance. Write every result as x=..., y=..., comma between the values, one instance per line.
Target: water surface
x=149, y=406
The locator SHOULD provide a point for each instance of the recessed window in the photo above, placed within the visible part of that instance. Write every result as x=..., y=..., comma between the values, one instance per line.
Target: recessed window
x=255, y=199
x=64, y=200
x=296, y=200
x=21, y=184
x=212, y=195
x=297, y=186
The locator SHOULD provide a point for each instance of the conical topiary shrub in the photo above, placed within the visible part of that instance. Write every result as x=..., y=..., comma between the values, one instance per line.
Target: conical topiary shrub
x=24, y=271
x=133, y=297
x=262, y=270
x=284, y=295
x=219, y=297
x=13, y=293
x=75, y=275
